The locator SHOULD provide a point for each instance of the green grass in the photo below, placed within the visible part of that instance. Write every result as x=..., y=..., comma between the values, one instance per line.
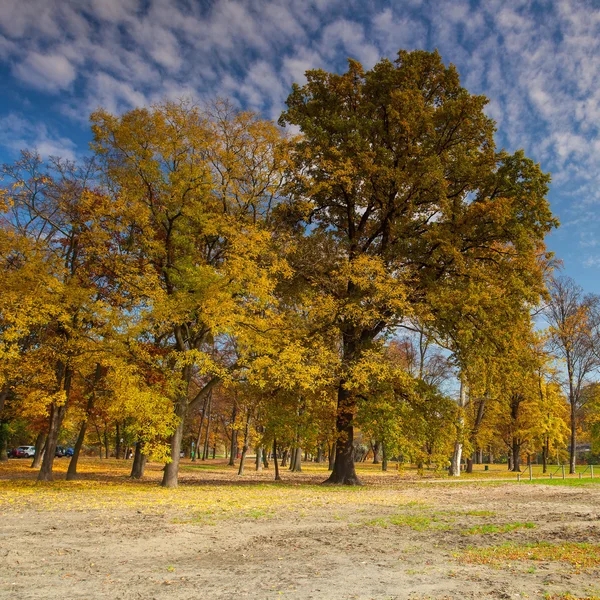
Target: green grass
x=579, y=555
x=489, y=528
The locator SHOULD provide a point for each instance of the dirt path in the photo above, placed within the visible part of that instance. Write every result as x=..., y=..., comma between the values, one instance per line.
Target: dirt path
x=298, y=544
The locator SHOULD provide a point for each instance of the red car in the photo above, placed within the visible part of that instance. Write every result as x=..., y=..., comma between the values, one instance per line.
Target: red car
x=22, y=452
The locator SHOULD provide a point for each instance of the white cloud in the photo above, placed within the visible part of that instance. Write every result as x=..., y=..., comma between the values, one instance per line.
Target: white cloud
x=49, y=72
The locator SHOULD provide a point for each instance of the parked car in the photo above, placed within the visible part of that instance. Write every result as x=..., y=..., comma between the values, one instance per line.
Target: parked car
x=63, y=451
x=23, y=452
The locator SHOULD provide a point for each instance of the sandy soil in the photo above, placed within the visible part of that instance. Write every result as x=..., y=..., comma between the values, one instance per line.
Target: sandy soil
x=302, y=542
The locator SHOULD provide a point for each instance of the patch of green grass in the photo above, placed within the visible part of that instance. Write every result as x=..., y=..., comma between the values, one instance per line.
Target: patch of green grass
x=479, y=513
x=580, y=555
x=568, y=596
x=571, y=482
x=489, y=528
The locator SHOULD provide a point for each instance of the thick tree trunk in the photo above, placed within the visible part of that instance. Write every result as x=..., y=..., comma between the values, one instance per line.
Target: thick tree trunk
x=265, y=458
x=296, y=460
x=376, y=447
x=343, y=471
x=3, y=442
x=469, y=468
x=277, y=477
x=259, y=463
x=139, y=462
x=284, y=458
x=39, y=450
x=480, y=456
x=516, y=455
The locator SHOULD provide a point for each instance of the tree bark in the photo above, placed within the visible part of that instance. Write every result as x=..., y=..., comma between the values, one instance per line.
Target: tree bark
x=277, y=477
x=199, y=439
x=233, y=447
x=171, y=469
x=344, y=472
x=376, y=447
x=330, y=456
x=516, y=455
x=139, y=462
x=3, y=441
x=384, y=458
x=118, y=441
x=545, y=450
x=458, y=444
x=39, y=450
x=245, y=446
x=284, y=458
x=207, y=434
x=259, y=463
x=57, y=414
x=573, y=452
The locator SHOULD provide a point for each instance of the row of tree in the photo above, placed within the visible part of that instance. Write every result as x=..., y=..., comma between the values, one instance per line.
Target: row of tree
x=203, y=271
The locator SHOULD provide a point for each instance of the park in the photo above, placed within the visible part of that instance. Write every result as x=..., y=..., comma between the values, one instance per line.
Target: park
x=299, y=300
x=400, y=535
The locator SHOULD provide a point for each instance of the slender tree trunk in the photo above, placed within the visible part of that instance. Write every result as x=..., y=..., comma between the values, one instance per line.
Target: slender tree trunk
x=139, y=462
x=207, y=434
x=331, y=456
x=57, y=414
x=545, y=451
x=277, y=477
x=384, y=458
x=573, y=452
x=199, y=439
x=118, y=441
x=259, y=463
x=106, y=444
x=233, y=447
x=265, y=458
x=72, y=470
x=245, y=446
x=39, y=450
x=284, y=458
x=458, y=444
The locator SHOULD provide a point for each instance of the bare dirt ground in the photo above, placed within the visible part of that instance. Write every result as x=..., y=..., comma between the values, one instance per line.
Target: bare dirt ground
x=216, y=537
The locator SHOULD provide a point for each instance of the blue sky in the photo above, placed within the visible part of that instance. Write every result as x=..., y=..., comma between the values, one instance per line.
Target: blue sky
x=537, y=61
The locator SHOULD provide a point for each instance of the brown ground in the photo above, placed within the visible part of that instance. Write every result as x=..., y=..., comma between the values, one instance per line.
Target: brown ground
x=218, y=538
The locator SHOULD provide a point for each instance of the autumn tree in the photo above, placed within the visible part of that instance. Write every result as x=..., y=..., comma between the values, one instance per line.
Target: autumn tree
x=196, y=189
x=571, y=318
x=401, y=189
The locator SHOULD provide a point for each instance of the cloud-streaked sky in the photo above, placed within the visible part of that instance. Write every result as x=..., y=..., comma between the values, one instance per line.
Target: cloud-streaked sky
x=537, y=61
